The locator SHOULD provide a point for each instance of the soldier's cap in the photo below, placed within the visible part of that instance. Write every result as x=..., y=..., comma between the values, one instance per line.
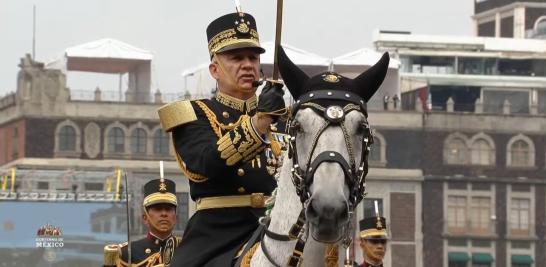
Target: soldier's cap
x=373, y=228
x=233, y=31
x=159, y=191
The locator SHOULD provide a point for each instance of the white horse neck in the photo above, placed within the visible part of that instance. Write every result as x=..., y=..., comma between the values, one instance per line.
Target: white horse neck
x=283, y=215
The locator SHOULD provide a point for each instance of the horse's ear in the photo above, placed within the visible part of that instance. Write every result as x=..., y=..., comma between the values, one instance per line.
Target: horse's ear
x=368, y=82
x=294, y=78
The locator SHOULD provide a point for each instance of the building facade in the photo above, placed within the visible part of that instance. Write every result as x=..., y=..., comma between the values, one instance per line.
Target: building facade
x=60, y=153
x=482, y=103
x=510, y=18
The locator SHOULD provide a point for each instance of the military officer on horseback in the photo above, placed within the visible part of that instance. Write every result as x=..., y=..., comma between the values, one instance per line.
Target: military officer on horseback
x=157, y=248
x=225, y=146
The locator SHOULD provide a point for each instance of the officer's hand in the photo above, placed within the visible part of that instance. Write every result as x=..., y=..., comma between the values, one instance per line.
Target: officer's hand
x=271, y=100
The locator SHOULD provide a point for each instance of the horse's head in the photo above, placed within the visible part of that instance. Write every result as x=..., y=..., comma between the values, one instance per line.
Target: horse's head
x=330, y=142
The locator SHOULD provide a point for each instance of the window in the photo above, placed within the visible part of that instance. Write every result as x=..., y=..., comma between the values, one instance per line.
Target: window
x=470, y=65
x=375, y=151
x=161, y=142
x=93, y=186
x=481, y=243
x=138, y=141
x=480, y=217
x=369, y=207
x=378, y=151
x=521, y=244
x=182, y=212
x=456, y=214
x=481, y=152
x=43, y=185
x=15, y=145
x=520, y=152
x=542, y=102
x=456, y=242
x=455, y=151
x=493, y=101
x=67, y=138
x=519, y=216
x=116, y=140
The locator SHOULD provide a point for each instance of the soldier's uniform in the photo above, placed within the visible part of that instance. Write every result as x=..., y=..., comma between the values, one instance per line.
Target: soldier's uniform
x=230, y=167
x=150, y=251
x=373, y=228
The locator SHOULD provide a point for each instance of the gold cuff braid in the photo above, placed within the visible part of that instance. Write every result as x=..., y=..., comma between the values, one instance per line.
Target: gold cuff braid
x=241, y=143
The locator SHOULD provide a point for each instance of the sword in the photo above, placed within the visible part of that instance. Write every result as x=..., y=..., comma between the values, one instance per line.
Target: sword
x=238, y=7
x=278, y=34
x=128, y=219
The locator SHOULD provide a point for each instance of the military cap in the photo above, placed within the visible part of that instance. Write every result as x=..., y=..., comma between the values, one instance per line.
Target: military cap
x=373, y=228
x=233, y=31
x=159, y=191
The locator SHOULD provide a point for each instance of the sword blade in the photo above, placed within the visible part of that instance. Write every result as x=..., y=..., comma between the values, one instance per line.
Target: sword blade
x=278, y=34
x=128, y=219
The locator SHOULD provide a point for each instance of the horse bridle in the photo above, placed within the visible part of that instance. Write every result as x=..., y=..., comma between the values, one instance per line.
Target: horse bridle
x=302, y=179
x=335, y=116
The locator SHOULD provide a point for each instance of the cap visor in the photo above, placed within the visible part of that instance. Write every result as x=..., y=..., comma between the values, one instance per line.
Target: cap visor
x=241, y=45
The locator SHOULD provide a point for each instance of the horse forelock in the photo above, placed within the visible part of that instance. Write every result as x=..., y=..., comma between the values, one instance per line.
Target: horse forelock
x=331, y=139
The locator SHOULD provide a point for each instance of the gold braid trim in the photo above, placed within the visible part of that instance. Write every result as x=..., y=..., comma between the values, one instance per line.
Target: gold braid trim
x=331, y=256
x=154, y=260
x=150, y=261
x=245, y=262
x=275, y=145
x=211, y=117
x=217, y=126
x=194, y=177
x=241, y=143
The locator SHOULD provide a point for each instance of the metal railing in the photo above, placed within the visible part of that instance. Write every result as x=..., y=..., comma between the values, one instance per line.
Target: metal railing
x=115, y=96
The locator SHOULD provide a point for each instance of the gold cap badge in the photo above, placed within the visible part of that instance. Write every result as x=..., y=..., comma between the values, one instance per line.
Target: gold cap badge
x=243, y=28
x=331, y=78
x=379, y=225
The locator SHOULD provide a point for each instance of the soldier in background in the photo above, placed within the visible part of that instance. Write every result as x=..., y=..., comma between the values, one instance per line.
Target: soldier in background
x=157, y=248
x=373, y=241
x=225, y=146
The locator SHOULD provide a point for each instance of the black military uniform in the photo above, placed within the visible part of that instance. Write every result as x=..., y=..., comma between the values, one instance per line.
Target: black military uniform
x=229, y=165
x=373, y=228
x=151, y=250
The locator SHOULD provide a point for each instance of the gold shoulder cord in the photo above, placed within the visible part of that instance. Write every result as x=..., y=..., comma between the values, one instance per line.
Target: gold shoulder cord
x=248, y=256
x=217, y=127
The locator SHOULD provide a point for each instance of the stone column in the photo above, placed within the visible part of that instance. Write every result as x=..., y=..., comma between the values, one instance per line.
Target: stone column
x=157, y=97
x=418, y=105
x=478, y=106
x=98, y=94
x=450, y=105
x=506, y=107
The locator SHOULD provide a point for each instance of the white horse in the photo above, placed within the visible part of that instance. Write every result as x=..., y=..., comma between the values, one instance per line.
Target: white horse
x=326, y=172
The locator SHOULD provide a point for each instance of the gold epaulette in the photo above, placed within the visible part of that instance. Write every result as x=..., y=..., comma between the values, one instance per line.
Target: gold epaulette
x=241, y=143
x=111, y=254
x=175, y=114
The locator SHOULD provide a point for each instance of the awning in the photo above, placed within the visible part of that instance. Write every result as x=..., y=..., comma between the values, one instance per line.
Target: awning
x=458, y=257
x=522, y=259
x=102, y=56
x=482, y=258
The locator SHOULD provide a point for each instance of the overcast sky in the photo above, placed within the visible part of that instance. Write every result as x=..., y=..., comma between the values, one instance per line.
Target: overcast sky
x=174, y=30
